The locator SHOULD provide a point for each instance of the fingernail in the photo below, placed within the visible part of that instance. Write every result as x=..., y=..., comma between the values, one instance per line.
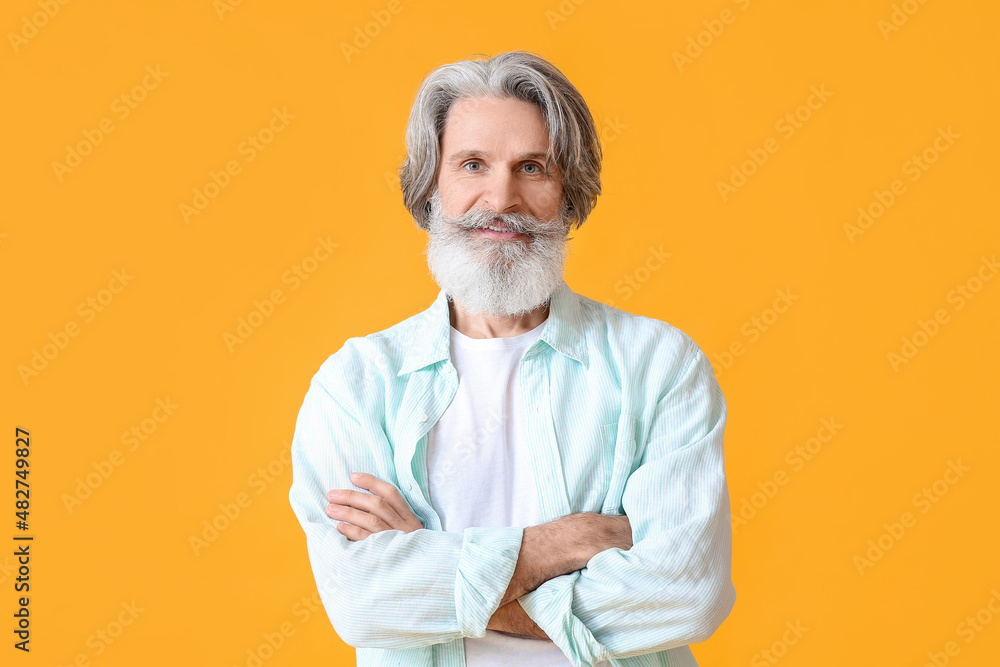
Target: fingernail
x=335, y=493
x=355, y=475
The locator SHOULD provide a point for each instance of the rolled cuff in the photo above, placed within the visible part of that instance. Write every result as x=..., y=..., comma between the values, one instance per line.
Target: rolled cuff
x=485, y=567
x=550, y=607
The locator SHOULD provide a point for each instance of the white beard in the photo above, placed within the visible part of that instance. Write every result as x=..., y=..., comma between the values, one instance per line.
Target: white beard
x=501, y=277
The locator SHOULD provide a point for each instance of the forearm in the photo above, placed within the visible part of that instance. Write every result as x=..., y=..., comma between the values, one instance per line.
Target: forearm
x=539, y=559
x=553, y=549
x=562, y=546
x=511, y=619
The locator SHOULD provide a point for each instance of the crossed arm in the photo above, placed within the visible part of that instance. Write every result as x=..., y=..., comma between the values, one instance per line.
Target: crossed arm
x=665, y=585
x=547, y=550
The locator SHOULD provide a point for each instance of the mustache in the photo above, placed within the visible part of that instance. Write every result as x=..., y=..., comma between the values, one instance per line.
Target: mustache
x=523, y=223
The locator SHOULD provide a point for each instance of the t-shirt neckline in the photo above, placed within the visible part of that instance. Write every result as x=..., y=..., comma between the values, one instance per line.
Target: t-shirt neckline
x=527, y=337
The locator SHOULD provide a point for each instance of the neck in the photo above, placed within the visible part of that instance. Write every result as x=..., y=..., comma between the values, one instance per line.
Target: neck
x=485, y=325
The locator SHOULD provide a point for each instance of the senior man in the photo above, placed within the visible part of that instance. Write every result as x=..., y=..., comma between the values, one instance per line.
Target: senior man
x=519, y=474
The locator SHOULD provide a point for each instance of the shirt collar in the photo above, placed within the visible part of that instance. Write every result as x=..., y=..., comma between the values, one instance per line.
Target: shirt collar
x=429, y=337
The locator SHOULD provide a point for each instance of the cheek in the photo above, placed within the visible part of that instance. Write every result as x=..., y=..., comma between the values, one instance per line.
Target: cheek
x=547, y=202
x=457, y=198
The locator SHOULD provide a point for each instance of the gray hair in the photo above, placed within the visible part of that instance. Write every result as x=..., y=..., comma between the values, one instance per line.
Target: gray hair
x=574, y=145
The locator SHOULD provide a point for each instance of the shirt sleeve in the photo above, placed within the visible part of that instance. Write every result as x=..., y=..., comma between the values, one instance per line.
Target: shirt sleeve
x=673, y=587
x=391, y=590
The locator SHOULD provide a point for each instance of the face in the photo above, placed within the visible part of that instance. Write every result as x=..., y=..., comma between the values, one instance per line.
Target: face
x=498, y=226
x=493, y=157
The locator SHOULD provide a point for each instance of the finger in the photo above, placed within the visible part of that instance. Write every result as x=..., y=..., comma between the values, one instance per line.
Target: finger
x=360, y=518
x=353, y=533
x=371, y=504
x=387, y=491
x=391, y=495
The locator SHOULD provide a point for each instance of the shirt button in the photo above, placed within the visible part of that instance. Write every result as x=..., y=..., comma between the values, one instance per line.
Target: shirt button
x=410, y=486
x=422, y=417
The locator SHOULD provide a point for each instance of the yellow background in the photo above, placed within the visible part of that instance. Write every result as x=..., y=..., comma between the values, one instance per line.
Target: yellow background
x=671, y=133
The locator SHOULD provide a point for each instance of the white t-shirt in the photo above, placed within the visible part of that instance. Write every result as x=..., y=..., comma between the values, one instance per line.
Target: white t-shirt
x=479, y=469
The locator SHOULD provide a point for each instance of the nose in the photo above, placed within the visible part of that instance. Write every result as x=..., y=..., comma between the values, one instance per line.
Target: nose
x=502, y=193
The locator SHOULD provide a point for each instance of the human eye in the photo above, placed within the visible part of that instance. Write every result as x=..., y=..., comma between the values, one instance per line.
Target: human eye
x=537, y=168
x=472, y=162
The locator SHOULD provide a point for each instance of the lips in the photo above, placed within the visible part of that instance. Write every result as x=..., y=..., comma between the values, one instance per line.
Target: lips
x=497, y=229
x=499, y=234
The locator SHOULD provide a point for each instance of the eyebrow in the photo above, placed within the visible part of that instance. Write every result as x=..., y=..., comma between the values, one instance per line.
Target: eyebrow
x=471, y=152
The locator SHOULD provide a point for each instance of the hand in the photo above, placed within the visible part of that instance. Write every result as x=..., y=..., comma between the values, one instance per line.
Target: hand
x=361, y=514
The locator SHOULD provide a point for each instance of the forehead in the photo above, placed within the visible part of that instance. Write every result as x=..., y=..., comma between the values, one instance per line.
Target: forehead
x=507, y=126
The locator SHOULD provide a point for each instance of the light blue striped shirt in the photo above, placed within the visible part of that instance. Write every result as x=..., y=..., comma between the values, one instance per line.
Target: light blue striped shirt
x=624, y=416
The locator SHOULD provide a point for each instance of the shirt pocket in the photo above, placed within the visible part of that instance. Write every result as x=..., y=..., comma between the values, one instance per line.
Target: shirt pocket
x=623, y=432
